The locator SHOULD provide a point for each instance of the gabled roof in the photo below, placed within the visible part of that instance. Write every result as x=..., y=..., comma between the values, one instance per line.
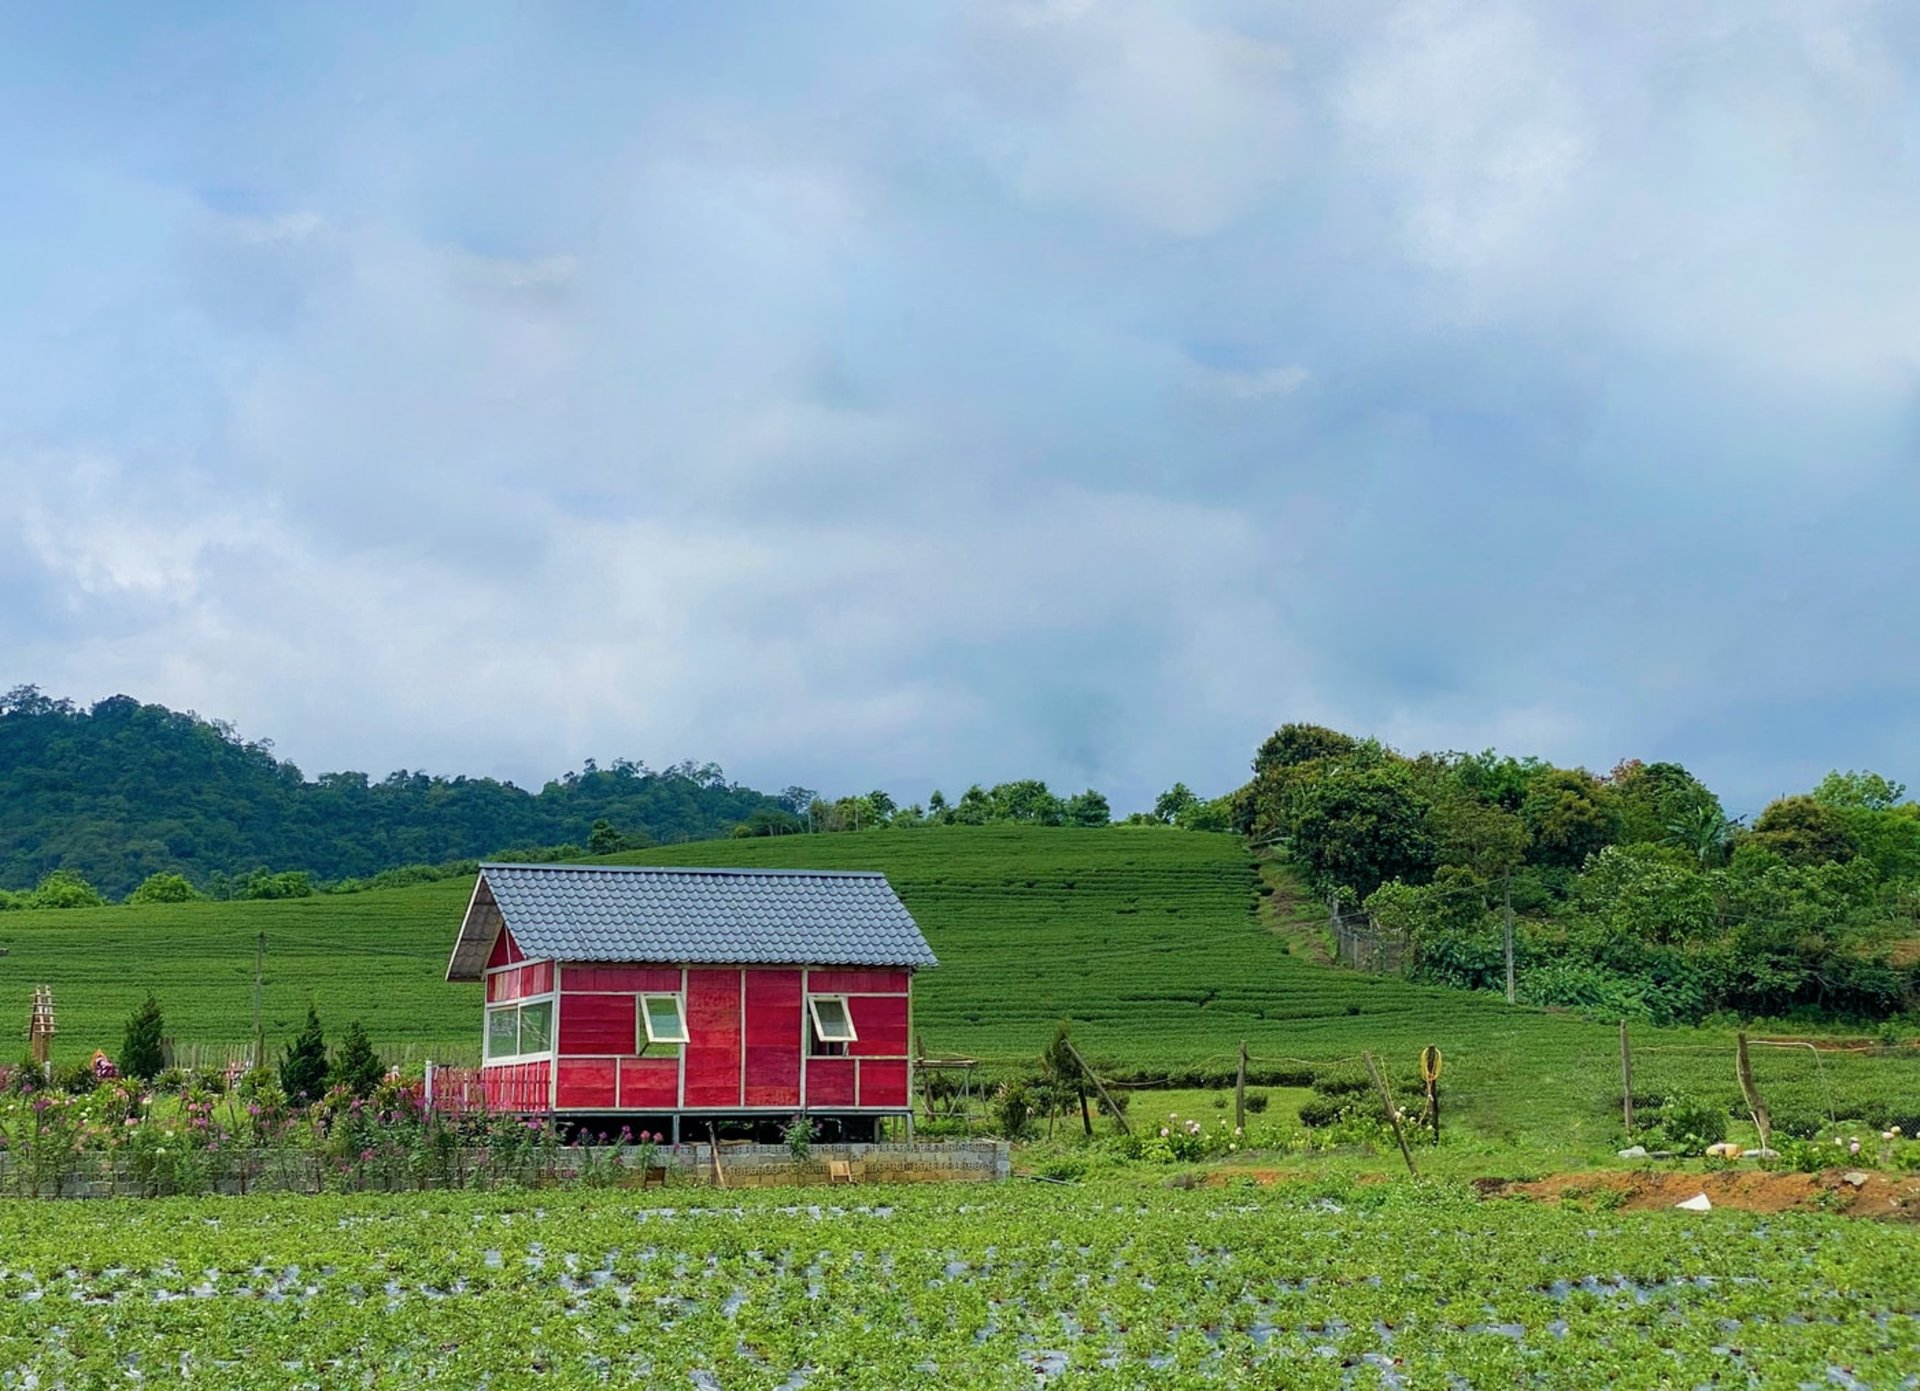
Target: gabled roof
x=671, y=914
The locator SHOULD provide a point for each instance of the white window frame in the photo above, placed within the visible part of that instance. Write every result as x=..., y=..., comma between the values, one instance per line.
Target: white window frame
x=486, y=1036
x=820, y=1033
x=647, y=1035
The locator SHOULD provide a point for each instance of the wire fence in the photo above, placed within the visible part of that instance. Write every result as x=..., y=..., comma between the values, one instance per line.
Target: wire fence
x=1362, y=946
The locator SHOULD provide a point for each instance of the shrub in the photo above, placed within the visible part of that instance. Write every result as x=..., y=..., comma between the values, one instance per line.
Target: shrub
x=65, y=889
x=1320, y=1110
x=1012, y=1109
x=164, y=888
x=357, y=1067
x=1690, y=1124
x=76, y=1079
x=141, y=1053
x=798, y=1137
x=303, y=1068
x=1062, y=1168
x=1257, y=1102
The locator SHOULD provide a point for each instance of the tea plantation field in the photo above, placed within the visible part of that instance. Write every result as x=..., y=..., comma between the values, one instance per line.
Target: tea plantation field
x=1017, y=1286
x=1147, y=939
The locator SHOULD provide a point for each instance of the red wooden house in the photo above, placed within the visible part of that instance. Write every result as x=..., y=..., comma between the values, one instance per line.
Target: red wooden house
x=648, y=996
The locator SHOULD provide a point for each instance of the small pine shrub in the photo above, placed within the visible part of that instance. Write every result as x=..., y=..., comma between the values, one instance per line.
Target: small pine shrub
x=303, y=1068
x=141, y=1054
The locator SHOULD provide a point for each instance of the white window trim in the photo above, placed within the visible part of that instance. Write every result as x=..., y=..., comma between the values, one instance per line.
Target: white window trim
x=553, y=1030
x=846, y=1014
x=647, y=1035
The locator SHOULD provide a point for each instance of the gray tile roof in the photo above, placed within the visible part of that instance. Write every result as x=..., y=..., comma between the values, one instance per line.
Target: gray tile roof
x=675, y=914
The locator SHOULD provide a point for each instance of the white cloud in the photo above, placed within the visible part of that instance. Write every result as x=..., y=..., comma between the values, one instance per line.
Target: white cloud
x=1140, y=111
x=847, y=417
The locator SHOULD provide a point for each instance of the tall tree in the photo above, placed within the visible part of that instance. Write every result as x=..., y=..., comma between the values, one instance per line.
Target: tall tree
x=1570, y=815
x=1359, y=827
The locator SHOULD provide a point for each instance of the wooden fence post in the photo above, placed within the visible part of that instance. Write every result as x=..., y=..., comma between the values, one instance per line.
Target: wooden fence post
x=1626, y=1079
x=1240, y=1092
x=1762, y=1121
x=1393, y=1116
x=1114, y=1111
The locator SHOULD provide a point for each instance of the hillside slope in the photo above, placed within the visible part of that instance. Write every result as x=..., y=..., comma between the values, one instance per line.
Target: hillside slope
x=1147, y=939
x=122, y=790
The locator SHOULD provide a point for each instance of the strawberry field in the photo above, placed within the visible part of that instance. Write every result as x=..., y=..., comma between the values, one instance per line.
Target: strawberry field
x=1019, y=1286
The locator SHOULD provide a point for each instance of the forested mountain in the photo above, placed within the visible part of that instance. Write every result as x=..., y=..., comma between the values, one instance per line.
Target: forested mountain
x=123, y=790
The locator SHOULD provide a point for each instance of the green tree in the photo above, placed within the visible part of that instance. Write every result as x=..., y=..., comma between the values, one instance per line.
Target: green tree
x=1703, y=832
x=604, y=840
x=163, y=887
x=1359, y=827
x=65, y=889
x=1027, y=800
x=1483, y=837
x=356, y=1066
x=142, y=1051
x=1865, y=791
x=1652, y=797
x=1294, y=744
x=1088, y=808
x=1174, y=803
x=882, y=803
x=1570, y=815
x=267, y=885
x=1803, y=831
x=1214, y=815
x=303, y=1067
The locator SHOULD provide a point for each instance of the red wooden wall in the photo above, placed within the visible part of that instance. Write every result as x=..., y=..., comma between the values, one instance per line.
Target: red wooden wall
x=748, y=1032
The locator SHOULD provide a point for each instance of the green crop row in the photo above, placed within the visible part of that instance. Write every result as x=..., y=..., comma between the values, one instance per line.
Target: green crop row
x=1091, y=1286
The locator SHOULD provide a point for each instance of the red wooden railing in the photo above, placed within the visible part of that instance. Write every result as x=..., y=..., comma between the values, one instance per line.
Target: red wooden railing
x=519, y=1087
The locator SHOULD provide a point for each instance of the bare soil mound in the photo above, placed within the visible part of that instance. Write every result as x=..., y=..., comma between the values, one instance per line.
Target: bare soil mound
x=1886, y=1197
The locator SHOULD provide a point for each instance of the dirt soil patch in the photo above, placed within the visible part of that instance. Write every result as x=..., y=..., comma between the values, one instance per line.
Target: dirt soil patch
x=1886, y=1197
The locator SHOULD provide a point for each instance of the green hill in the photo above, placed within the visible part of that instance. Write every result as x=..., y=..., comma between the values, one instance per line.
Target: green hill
x=121, y=790
x=1149, y=940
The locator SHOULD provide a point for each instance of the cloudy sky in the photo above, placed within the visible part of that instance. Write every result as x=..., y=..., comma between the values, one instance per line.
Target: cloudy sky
x=914, y=394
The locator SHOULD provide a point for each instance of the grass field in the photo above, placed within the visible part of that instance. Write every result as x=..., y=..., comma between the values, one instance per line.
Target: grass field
x=1155, y=943
x=1019, y=1286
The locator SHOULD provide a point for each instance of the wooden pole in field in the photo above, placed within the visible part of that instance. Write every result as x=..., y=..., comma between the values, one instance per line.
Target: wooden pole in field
x=259, y=975
x=1393, y=1116
x=1762, y=1121
x=1506, y=911
x=1093, y=1077
x=1240, y=1092
x=1626, y=1079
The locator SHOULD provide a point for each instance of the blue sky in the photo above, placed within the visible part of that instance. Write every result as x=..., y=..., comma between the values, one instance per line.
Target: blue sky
x=909, y=395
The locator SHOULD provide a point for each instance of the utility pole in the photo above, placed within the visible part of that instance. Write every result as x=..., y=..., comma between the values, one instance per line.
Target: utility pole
x=259, y=975
x=1506, y=910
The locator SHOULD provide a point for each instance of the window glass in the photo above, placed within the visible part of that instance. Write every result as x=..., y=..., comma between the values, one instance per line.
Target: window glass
x=831, y=1021
x=536, y=1027
x=503, y=1032
x=662, y=1018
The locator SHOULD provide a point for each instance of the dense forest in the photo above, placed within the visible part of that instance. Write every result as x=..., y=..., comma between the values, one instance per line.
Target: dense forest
x=121, y=791
x=1633, y=893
